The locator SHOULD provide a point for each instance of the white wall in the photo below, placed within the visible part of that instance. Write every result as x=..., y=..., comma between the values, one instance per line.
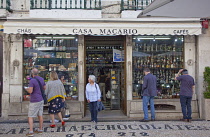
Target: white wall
x=130, y=14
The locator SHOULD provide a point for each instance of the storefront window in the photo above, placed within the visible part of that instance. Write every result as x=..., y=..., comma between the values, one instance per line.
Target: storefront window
x=52, y=53
x=163, y=55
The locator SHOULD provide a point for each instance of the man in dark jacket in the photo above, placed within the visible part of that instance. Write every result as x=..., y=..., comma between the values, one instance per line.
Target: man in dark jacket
x=149, y=89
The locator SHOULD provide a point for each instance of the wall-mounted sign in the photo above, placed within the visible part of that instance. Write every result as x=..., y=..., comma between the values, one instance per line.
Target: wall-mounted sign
x=118, y=55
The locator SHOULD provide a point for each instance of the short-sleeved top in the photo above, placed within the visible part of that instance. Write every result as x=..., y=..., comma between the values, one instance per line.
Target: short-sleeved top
x=36, y=95
x=187, y=82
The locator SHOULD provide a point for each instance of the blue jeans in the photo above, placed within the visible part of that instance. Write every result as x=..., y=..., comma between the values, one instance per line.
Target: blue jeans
x=186, y=106
x=93, y=111
x=150, y=100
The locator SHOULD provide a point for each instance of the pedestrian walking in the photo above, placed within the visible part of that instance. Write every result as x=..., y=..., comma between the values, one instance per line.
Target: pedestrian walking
x=36, y=102
x=93, y=95
x=149, y=89
x=55, y=96
x=186, y=92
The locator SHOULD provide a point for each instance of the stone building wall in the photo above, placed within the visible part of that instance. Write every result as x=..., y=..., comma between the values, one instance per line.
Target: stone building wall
x=202, y=60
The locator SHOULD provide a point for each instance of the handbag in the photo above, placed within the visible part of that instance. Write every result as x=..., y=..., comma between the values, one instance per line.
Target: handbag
x=42, y=91
x=65, y=111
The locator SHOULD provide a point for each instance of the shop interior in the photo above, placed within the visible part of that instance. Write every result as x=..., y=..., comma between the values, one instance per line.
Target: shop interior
x=105, y=60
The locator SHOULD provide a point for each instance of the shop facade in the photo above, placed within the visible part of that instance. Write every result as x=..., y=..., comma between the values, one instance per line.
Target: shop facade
x=122, y=48
x=1, y=62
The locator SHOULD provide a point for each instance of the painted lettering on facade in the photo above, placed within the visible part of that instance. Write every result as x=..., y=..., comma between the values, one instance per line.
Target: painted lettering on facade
x=118, y=31
x=82, y=31
x=181, y=32
x=24, y=31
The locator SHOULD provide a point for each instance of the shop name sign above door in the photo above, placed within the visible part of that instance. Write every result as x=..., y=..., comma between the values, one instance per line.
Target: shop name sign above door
x=106, y=31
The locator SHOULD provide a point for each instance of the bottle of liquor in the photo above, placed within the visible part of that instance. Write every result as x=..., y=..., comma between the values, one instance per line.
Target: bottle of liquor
x=148, y=48
x=156, y=47
x=152, y=48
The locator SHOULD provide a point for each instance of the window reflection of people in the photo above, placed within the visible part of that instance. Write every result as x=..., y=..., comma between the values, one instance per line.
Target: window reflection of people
x=93, y=95
x=101, y=81
x=107, y=82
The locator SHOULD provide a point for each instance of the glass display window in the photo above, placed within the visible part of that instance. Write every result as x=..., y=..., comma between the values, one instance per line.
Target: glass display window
x=52, y=53
x=163, y=55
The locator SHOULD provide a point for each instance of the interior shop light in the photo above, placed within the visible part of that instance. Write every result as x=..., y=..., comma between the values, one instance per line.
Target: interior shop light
x=43, y=37
x=152, y=38
x=54, y=37
x=57, y=37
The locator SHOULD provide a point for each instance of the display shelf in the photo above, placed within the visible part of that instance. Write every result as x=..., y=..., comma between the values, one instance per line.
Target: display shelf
x=115, y=89
x=60, y=55
x=163, y=57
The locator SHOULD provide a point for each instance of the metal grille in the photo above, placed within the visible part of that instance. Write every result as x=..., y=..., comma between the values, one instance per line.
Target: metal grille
x=65, y=4
x=135, y=4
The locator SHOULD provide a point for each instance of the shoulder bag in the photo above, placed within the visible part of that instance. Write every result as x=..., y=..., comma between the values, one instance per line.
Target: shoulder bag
x=42, y=91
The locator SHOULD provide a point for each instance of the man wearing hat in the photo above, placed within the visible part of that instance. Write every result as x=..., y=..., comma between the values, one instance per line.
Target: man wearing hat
x=186, y=92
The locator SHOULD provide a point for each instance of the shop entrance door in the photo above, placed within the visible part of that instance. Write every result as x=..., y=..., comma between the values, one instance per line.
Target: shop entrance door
x=105, y=60
x=1, y=70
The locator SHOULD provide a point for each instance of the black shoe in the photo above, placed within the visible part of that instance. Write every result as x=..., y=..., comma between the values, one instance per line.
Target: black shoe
x=144, y=120
x=152, y=119
x=189, y=120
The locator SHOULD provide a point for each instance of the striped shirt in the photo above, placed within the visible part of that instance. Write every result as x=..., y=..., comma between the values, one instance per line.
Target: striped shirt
x=93, y=92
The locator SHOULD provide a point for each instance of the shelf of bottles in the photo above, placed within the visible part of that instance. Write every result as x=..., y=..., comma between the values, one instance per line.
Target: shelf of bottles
x=163, y=55
x=100, y=57
x=52, y=53
x=115, y=89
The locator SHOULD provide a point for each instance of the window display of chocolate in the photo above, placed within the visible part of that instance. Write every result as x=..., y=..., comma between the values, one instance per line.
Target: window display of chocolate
x=53, y=53
x=163, y=55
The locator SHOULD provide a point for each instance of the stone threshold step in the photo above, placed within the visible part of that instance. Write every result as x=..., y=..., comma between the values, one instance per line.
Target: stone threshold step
x=45, y=113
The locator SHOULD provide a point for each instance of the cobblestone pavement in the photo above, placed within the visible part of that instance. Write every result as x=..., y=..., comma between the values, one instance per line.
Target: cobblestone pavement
x=112, y=129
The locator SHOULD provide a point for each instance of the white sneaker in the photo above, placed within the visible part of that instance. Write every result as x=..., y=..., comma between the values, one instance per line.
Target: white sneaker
x=65, y=119
x=56, y=121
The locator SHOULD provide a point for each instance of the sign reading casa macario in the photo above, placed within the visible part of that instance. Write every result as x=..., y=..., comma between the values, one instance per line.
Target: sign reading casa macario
x=102, y=31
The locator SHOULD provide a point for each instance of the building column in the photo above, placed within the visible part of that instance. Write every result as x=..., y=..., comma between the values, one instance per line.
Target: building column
x=12, y=74
x=128, y=71
x=202, y=61
x=81, y=72
x=81, y=69
x=189, y=57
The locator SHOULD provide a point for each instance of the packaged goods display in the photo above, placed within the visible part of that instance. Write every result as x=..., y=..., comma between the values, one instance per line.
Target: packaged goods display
x=52, y=53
